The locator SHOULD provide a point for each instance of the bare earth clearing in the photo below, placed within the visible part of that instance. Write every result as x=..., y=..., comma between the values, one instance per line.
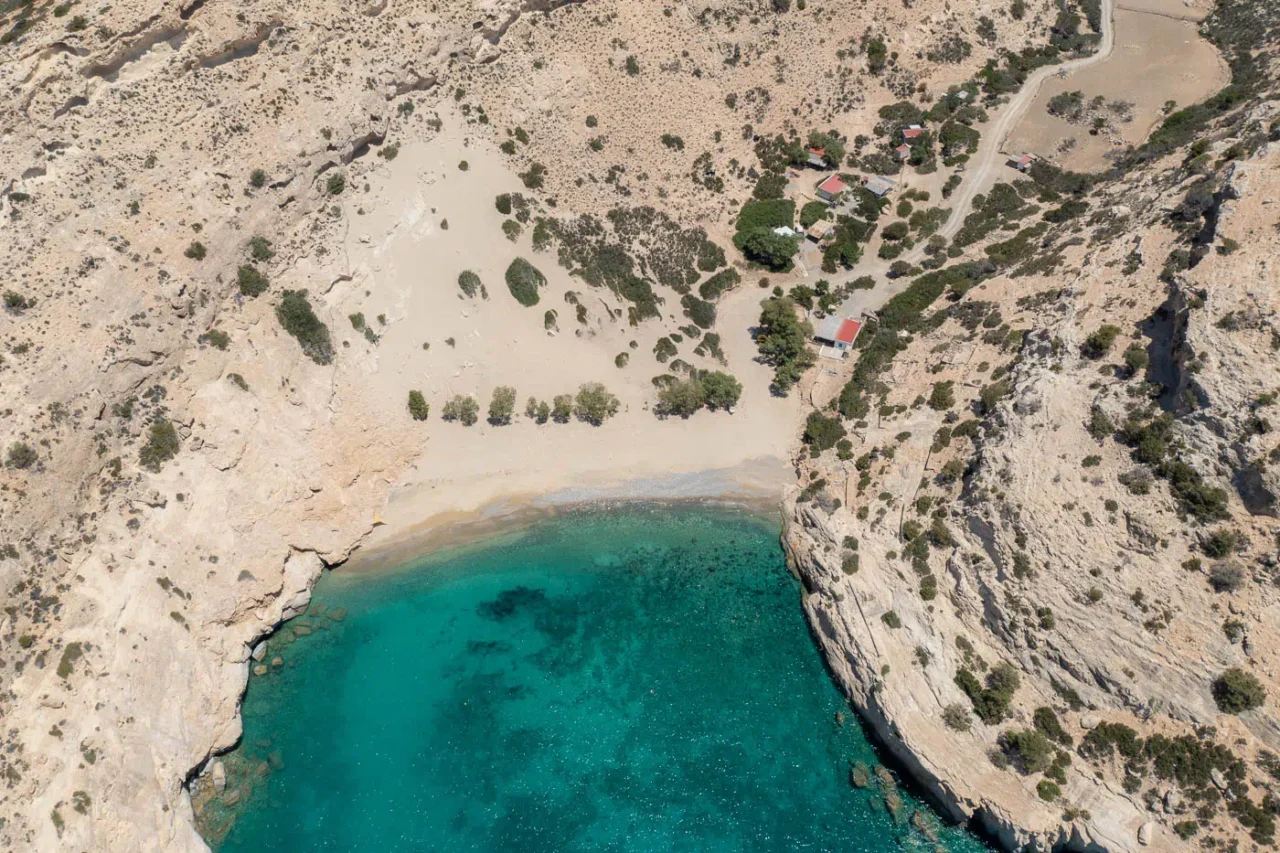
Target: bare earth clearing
x=1156, y=59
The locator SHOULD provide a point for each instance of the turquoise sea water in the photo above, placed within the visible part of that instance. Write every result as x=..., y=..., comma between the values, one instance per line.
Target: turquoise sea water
x=638, y=679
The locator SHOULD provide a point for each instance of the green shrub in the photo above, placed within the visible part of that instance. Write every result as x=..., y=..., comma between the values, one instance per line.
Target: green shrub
x=418, y=407
x=594, y=404
x=1029, y=751
x=1099, y=343
x=503, y=203
x=196, y=251
x=812, y=212
x=781, y=340
x=523, y=280
x=722, y=389
x=21, y=455
x=1236, y=691
x=260, y=249
x=15, y=303
x=299, y=320
x=257, y=179
x=942, y=397
x=71, y=653
x=503, y=405
x=713, y=287
x=957, y=717
x=681, y=398
x=469, y=283
x=1048, y=791
x=1046, y=721
x=216, y=338
x=162, y=445
x=336, y=184
x=561, y=408
x=533, y=176
x=990, y=703
x=462, y=408
x=891, y=619
x=821, y=432
x=701, y=312
x=252, y=283
x=1221, y=543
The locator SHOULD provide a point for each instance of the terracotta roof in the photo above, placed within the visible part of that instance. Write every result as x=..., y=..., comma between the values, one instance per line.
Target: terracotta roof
x=903, y=151
x=848, y=331
x=833, y=185
x=912, y=132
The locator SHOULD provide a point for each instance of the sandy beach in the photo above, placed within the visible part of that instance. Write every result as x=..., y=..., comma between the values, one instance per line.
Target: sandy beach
x=421, y=222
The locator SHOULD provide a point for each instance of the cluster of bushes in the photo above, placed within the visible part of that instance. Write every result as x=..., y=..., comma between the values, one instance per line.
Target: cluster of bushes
x=682, y=397
x=990, y=700
x=593, y=404
x=755, y=236
x=901, y=315
x=298, y=319
x=1191, y=762
x=718, y=284
x=523, y=280
x=782, y=339
x=1154, y=444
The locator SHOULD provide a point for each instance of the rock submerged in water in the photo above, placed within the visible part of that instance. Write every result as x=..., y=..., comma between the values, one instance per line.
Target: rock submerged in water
x=260, y=669
x=885, y=777
x=337, y=614
x=921, y=823
x=302, y=631
x=893, y=802
x=859, y=775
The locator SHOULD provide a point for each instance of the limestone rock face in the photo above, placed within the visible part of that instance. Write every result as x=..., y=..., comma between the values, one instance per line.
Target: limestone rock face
x=1060, y=545
x=142, y=152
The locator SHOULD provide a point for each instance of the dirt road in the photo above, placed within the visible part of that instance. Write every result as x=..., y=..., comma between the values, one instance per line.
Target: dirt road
x=984, y=172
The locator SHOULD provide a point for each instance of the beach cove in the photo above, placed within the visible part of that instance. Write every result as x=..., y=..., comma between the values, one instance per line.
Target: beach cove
x=637, y=677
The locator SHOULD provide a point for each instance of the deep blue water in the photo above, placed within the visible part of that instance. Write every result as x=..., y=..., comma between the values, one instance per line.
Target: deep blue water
x=633, y=680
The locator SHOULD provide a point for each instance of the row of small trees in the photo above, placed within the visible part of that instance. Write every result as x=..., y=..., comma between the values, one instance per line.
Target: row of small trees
x=593, y=404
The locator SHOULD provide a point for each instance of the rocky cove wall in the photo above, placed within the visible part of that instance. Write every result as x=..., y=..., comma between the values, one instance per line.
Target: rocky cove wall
x=844, y=630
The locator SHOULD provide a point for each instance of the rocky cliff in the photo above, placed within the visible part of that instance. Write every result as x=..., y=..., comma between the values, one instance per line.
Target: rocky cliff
x=1036, y=525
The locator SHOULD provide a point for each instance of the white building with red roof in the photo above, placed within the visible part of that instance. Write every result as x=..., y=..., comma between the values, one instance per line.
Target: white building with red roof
x=832, y=188
x=838, y=332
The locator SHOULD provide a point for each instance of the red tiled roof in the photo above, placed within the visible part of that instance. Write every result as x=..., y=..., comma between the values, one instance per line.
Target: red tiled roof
x=902, y=150
x=833, y=185
x=820, y=152
x=912, y=132
x=848, y=331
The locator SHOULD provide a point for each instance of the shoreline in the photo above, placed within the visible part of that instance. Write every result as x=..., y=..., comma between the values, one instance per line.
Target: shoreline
x=756, y=486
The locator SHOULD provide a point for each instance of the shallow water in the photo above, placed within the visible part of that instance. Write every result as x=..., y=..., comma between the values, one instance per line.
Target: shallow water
x=638, y=679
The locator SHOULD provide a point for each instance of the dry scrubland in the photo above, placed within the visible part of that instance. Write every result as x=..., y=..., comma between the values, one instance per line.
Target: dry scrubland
x=189, y=437
x=1037, y=512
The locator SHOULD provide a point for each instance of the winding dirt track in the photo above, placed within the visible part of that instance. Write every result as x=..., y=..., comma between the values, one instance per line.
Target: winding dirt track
x=986, y=165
